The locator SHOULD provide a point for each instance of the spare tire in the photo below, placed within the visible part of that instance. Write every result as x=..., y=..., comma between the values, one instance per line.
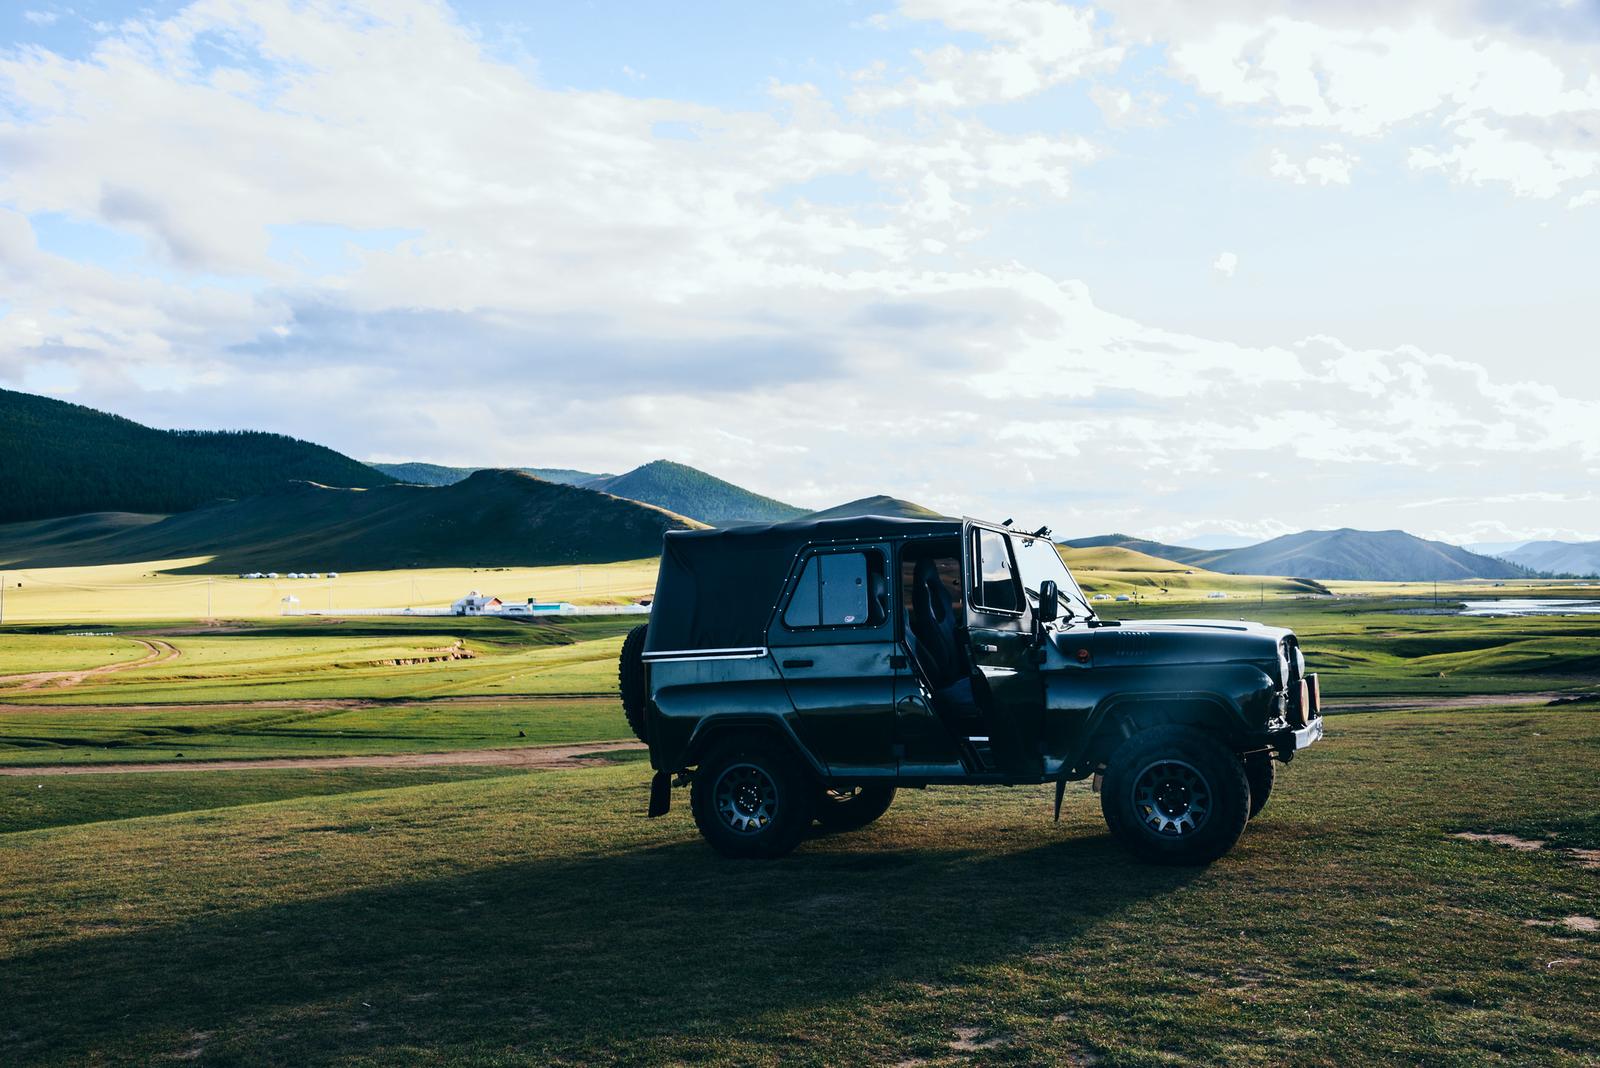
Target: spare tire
x=631, y=681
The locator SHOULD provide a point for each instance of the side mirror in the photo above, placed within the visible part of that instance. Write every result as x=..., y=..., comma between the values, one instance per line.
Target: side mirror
x=1049, y=601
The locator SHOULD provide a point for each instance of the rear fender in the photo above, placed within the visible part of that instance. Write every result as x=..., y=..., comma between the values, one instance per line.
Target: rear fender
x=713, y=729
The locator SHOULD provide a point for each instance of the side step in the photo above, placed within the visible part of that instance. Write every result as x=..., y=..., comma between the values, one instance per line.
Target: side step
x=979, y=753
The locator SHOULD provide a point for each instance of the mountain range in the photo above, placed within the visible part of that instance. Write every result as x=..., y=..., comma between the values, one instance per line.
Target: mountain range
x=1359, y=555
x=673, y=486
x=80, y=486
x=420, y=474
x=1580, y=558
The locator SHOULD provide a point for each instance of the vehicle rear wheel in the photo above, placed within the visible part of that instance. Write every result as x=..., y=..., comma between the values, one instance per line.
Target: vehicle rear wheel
x=751, y=799
x=1175, y=795
x=851, y=808
x=1261, y=771
x=631, y=681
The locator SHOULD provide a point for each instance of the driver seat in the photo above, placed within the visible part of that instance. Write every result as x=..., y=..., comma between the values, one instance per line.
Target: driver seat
x=936, y=643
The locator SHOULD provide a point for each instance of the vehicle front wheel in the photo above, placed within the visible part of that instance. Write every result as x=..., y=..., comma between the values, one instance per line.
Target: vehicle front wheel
x=850, y=808
x=1174, y=794
x=751, y=799
x=1261, y=770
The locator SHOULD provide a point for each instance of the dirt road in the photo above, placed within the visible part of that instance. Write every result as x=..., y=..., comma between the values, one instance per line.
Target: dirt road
x=157, y=652
x=541, y=757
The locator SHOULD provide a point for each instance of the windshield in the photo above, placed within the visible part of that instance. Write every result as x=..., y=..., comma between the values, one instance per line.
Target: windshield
x=1037, y=560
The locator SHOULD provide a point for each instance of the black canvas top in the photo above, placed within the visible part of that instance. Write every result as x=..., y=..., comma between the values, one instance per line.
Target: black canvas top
x=717, y=588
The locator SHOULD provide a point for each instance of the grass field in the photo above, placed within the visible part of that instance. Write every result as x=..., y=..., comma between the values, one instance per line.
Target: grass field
x=536, y=919
x=1371, y=647
x=149, y=591
x=311, y=686
x=489, y=915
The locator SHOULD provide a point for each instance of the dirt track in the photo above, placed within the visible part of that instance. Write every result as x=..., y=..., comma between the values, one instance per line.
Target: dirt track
x=311, y=704
x=543, y=757
x=159, y=652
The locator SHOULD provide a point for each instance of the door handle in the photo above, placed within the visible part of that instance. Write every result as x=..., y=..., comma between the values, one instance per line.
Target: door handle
x=986, y=648
x=796, y=663
x=897, y=662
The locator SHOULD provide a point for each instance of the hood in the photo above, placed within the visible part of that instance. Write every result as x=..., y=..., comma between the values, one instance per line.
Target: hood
x=1174, y=641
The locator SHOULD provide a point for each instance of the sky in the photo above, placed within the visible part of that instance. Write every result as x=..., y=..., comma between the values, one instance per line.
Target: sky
x=1186, y=271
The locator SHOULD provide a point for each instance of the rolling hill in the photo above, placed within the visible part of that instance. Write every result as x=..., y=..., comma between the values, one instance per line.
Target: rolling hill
x=1359, y=555
x=64, y=459
x=491, y=519
x=693, y=493
x=879, y=504
x=1177, y=553
x=422, y=474
x=1118, y=558
x=1558, y=557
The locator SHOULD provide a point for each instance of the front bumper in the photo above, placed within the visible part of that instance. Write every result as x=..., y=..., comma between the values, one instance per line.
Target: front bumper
x=1311, y=732
x=1305, y=718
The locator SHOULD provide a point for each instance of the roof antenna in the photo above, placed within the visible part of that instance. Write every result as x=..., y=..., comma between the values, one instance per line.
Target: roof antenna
x=1007, y=523
x=1042, y=532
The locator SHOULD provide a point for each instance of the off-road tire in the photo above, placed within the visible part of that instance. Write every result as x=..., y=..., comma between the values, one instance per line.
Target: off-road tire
x=850, y=809
x=1261, y=771
x=631, y=680
x=756, y=781
x=1175, y=777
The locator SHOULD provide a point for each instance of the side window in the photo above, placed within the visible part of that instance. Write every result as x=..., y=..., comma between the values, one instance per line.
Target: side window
x=997, y=580
x=837, y=590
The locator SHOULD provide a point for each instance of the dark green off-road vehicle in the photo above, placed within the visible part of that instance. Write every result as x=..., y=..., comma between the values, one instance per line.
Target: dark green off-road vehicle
x=802, y=672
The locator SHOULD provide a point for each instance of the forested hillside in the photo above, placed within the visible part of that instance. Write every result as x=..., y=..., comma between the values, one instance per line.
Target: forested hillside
x=492, y=519
x=64, y=459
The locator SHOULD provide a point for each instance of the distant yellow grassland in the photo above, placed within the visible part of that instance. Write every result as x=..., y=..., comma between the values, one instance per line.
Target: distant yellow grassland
x=149, y=591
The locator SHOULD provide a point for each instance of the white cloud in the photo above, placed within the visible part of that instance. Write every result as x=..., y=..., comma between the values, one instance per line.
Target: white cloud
x=1037, y=44
x=1330, y=165
x=1497, y=107
x=41, y=18
x=1122, y=107
x=1225, y=264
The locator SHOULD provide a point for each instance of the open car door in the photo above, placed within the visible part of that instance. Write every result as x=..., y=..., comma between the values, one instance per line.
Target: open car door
x=1000, y=630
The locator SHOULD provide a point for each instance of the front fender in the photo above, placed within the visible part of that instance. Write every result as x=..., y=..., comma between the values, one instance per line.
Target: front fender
x=1236, y=700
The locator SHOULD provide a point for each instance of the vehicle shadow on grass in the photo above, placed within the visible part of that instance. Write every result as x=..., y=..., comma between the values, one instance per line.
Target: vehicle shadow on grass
x=652, y=953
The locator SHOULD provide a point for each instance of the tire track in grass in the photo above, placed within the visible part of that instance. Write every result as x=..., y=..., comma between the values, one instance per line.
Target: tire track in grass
x=159, y=652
